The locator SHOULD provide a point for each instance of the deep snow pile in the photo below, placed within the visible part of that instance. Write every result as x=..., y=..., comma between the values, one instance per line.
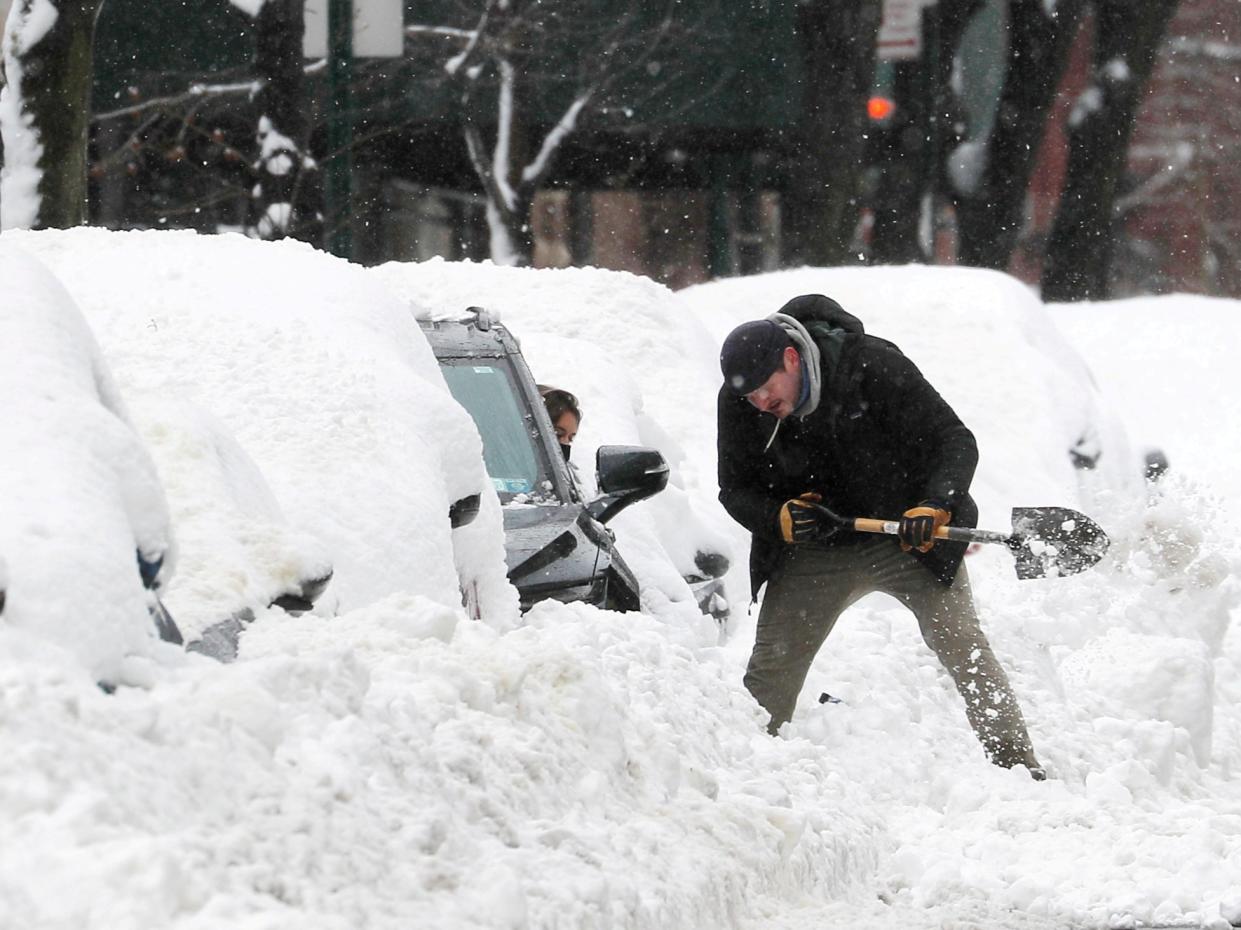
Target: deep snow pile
x=403, y=767
x=1155, y=356
x=397, y=765
x=326, y=384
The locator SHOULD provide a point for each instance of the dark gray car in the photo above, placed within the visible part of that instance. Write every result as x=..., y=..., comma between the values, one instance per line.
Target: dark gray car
x=557, y=544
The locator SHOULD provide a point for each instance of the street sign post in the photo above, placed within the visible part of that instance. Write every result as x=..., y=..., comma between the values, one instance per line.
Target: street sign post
x=378, y=28
x=338, y=183
x=900, y=31
x=340, y=30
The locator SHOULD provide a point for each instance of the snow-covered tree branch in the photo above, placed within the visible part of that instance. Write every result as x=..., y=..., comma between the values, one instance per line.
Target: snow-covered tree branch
x=530, y=74
x=285, y=195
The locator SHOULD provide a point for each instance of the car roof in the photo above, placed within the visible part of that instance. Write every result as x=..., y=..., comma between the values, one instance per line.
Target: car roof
x=475, y=333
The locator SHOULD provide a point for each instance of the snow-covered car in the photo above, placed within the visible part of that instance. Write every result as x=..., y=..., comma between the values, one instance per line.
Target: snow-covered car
x=301, y=420
x=556, y=541
x=238, y=555
x=86, y=545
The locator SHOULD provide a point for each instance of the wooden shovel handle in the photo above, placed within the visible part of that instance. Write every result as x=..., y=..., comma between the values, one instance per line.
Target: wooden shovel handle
x=889, y=527
x=956, y=533
x=869, y=525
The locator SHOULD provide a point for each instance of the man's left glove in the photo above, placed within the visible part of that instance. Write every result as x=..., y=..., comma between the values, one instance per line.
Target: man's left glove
x=799, y=521
x=918, y=525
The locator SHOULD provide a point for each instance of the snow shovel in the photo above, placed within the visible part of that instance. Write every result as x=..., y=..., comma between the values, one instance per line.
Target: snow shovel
x=1047, y=541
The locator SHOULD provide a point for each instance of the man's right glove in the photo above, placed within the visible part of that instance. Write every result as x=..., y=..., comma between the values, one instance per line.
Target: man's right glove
x=799, y=521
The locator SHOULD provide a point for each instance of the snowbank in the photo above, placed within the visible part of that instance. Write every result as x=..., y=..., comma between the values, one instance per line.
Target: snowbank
x=237, y=552
x=403, y=767
x=1155, y=355
x=400, y=765
x=324, y=380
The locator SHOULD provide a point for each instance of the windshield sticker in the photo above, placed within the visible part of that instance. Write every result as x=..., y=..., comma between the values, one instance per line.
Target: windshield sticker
x=483, y=370
x=513, y=485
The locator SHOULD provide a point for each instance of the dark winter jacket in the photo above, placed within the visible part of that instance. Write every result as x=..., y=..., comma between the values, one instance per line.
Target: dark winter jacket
x=880, y=441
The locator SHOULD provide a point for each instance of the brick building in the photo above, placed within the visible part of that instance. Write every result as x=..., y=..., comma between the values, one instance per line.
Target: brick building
x=1179, y=228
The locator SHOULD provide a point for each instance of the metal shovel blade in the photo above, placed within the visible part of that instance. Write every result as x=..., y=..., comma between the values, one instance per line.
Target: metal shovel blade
x=1053, y=541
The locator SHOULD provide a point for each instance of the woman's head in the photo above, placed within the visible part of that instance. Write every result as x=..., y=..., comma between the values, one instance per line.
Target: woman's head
x=565, y=414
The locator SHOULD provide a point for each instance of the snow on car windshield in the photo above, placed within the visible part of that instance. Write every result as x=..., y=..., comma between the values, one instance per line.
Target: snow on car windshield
x=486, y=389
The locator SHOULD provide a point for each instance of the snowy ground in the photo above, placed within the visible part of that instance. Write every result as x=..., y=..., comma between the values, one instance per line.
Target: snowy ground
x=397, y=765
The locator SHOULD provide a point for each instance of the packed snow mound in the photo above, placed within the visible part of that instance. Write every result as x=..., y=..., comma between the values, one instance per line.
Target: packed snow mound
x=1142, y=349
x=80, y=498
x=324, y=380
x=401, y=766
x=398, y=764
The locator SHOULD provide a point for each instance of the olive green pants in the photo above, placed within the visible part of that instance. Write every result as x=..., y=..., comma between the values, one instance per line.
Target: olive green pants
x=814, y=585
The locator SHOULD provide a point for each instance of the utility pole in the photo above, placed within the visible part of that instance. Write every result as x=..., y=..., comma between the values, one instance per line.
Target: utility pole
x=338, y=189
x=934, y=125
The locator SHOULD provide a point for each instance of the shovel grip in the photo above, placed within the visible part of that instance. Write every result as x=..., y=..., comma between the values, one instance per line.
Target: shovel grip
x=869, y=525
x=890, y=528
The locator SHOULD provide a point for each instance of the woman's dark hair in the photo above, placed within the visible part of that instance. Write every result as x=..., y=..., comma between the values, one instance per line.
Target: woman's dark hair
x=558, y=402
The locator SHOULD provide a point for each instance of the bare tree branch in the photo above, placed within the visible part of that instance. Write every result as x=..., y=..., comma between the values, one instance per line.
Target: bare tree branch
x=463, y=60
x=539, y=166
x=445, y=31
x=172, y=101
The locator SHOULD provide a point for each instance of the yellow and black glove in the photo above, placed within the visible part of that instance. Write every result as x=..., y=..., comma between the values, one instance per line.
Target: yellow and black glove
x=918, y=525
x=800, y=522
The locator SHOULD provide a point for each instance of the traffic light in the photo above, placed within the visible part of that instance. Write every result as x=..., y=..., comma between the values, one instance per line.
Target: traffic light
x=880, y=109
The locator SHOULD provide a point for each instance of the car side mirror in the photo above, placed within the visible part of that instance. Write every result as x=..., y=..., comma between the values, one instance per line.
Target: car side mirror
x=626, y=475
x=463, y=512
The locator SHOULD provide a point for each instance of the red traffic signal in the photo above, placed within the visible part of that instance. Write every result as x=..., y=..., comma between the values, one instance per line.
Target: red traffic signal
x=880, y=108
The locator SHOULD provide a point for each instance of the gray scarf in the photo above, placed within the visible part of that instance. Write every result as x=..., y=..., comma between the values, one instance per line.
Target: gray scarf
x=811, y=364
x=810, y=360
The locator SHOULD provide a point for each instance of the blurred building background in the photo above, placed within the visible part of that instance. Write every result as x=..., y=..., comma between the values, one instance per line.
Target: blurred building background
x=696, y=180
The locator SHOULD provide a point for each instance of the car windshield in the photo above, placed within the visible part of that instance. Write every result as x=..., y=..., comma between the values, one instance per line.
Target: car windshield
x=487, y=388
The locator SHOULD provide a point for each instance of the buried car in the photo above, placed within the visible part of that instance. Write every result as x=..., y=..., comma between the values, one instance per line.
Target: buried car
x=237, y=554
x=557, y=542
x=86, y=544
x=299, y=422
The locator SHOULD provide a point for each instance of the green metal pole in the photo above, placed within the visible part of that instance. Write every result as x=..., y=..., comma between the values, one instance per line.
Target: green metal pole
x=719, y=241
x=935, y=109
x=338, y=182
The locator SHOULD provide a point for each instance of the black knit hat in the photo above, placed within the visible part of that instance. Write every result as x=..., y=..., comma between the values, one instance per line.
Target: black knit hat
x=751, y=354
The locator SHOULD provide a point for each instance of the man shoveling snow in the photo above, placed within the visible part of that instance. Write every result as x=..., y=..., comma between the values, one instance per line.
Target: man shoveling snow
x=813, y=410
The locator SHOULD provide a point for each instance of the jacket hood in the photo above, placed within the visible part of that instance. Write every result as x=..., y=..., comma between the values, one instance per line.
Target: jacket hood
x=811, y=309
